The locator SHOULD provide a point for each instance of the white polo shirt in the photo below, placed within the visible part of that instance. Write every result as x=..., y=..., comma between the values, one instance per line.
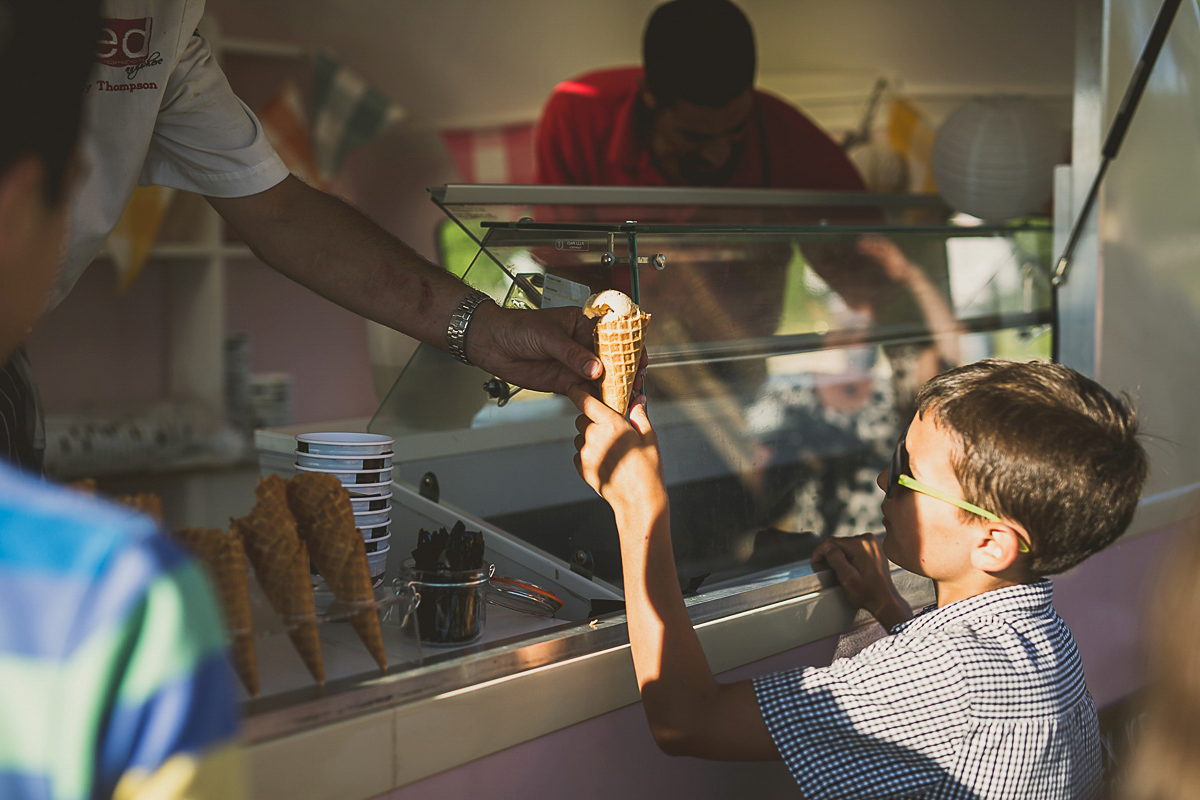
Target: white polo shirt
x=158, y=110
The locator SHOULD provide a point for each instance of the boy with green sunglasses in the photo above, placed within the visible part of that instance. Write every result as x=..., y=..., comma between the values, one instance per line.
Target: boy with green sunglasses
x=900, y=475
x=1008, y=473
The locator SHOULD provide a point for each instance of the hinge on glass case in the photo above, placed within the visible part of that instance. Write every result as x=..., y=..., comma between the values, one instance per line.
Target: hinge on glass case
x=582, y=563
x=658, y=260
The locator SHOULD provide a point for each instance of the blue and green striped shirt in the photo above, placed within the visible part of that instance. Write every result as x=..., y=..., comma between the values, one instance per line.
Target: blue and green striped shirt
x=113, y=673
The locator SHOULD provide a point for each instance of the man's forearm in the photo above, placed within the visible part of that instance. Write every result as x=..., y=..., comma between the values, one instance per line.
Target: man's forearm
x=325, y=244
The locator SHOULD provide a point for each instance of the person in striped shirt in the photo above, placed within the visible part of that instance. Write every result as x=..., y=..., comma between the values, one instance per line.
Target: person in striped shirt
x=113, y=675
x=1009, y=472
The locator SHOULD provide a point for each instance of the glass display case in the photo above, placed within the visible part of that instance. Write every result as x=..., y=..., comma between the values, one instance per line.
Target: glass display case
x=789, y=334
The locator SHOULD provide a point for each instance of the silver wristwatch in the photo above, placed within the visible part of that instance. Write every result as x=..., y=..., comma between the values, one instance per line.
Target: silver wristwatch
x=456, y=331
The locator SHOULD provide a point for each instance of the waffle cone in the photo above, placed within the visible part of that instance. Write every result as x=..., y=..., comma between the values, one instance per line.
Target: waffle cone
x=325, y=521
x=146, y=502
x=224, y=558
x=619, y=347
x=280, y=561
x=85, y=485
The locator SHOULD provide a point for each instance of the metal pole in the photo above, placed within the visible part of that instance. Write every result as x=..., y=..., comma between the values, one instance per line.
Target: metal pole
x=1120, y=124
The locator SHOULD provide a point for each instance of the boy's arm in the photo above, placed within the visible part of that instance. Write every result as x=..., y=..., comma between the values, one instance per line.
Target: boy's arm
x=689, y=712
x=862, y=570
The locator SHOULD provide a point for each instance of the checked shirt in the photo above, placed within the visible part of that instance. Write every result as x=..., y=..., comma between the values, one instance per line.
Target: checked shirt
x=984, y=698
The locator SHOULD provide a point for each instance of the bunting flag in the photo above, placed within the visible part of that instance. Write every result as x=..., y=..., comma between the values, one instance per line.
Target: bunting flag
x=134, y=235
x=286, y=126
x=502, y=154
x=911, y=135
x=346, y=114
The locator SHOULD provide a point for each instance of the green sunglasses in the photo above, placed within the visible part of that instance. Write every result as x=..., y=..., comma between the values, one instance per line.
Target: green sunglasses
x=898, y=475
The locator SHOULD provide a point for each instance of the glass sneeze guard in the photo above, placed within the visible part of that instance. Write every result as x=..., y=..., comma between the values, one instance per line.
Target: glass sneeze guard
x=790, y=332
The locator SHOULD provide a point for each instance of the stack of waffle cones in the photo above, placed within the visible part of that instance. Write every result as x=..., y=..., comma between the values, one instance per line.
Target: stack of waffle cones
x=280, y=561
x=325, y=521
x=146, y=502
x=222, y=555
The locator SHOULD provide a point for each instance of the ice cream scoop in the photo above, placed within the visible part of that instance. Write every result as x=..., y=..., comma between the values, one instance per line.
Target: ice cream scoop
x=610, y=303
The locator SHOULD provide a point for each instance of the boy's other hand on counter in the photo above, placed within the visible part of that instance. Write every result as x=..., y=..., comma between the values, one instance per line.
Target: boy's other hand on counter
x=862, y=570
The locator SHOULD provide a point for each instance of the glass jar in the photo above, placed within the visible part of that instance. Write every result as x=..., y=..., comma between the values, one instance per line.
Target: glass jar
x=451, y=608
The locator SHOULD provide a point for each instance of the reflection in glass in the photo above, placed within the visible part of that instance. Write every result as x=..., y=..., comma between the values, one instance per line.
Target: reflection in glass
x=786, y=348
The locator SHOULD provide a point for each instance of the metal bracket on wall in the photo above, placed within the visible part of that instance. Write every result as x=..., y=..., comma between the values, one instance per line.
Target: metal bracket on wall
x=428, y=487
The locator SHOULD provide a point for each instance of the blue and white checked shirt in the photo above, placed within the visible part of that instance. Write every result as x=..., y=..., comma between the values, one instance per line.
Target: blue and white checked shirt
x=984, y=698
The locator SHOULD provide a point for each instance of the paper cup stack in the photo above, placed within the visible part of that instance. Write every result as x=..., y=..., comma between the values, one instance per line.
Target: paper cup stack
x=362, y=462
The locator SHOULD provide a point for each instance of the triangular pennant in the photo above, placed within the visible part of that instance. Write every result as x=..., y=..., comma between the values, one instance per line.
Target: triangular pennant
x=911, y=135
x=346, y=113
x=134, y=234
x=286, y=126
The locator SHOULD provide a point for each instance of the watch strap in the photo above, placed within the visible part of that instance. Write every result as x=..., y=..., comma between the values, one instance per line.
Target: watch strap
x=460, y=320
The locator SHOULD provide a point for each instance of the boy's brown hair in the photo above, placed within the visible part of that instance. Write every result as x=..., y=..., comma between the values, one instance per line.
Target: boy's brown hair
x=1043, y=446
x=47, y=48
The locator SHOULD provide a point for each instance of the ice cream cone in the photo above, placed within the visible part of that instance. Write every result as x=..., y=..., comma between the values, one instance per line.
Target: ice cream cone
x=619, y=346
x=85, y=485
x=222, y=555
x=280, y=562
x=325, y=520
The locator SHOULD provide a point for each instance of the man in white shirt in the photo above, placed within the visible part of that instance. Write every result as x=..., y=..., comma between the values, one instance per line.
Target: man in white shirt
x=160, y=111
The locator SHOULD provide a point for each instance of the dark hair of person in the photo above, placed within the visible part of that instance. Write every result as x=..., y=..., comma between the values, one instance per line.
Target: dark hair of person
x=47, y=48
x=700, y=51
x=1043, y=446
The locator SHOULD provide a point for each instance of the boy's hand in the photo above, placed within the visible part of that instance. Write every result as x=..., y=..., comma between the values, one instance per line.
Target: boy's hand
x=861, y=569
x=619, y=459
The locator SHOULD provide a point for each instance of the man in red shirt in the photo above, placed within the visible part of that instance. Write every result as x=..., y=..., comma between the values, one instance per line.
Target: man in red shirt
x=689, y=117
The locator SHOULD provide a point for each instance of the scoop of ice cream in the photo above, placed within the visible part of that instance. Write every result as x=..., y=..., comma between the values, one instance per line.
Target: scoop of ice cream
x=611, y=304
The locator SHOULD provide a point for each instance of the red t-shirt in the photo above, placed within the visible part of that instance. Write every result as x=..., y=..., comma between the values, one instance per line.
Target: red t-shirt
x=587, y=136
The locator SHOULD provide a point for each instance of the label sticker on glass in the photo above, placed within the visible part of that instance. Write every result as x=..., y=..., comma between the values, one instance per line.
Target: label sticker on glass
x=571, y=244
x=559, y=292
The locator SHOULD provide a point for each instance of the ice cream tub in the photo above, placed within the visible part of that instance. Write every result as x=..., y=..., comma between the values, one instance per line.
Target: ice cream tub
x=370, y=501
x=338, y=443
x=355, y=478
x=374, y=533
x=378, y=543
x=377, y=562
x=371, y=519
x=356, y=463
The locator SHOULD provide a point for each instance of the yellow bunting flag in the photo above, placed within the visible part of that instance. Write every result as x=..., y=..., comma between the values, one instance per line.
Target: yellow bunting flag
x=286, y=126
x=131, y=239
x=910, y=134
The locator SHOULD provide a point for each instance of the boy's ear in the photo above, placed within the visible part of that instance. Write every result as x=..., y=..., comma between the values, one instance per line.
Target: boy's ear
x=997, y=547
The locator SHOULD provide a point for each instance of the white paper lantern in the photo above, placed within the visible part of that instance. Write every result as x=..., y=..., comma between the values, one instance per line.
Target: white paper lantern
x=994, y=157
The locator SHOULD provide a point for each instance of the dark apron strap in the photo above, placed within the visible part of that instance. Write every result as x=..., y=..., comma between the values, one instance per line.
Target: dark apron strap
x=22, y=437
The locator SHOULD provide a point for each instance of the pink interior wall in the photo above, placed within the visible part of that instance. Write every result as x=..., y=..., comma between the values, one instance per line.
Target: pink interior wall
x=613, y=756
x=294, y=330
x=102, y=348
x=1105, y=601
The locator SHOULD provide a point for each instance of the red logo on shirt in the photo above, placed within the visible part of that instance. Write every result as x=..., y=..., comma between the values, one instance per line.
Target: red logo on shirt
x=124, y=42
